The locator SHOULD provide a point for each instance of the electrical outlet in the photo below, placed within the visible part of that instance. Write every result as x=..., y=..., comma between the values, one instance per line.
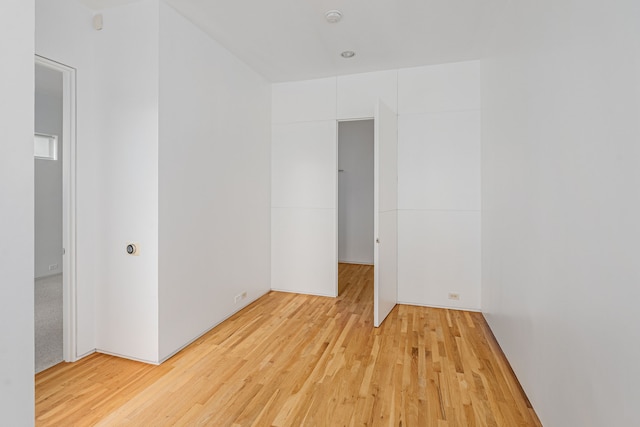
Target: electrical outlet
x=53, y=267
x=240, y=297
x=454, y=296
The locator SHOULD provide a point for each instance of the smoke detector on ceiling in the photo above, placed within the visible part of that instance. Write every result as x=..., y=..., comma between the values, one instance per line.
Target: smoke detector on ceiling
x=333, y=16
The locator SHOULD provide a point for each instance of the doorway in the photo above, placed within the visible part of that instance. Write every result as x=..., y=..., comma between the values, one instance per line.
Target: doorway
x=355, y=196
x=54, y=226
x=384, y=238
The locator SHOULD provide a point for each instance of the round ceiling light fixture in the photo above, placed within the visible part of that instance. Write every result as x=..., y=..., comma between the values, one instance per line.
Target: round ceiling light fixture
x=333, y=16
x=348, y=54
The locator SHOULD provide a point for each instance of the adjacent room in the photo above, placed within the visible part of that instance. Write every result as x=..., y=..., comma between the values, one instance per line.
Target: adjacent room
x=417, y=213
x=48, y=267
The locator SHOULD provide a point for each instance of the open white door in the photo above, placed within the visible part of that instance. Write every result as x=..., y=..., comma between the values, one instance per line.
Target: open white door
x=385, y=258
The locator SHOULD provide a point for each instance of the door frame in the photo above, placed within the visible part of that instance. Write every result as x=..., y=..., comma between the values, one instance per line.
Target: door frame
x=69, y=162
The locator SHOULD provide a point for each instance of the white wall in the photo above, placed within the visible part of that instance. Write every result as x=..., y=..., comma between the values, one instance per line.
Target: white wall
x=64, y=34
x=214, y=183
x=127, y=79
x=355, y=191
x=438, y=183
x=560, y=208
x=16, y=205
x=304, y=187
x=225, y=108
x=116, y=168
x=48, y=175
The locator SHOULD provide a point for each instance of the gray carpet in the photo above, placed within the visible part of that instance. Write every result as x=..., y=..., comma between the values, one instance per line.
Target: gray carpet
x=48, y=321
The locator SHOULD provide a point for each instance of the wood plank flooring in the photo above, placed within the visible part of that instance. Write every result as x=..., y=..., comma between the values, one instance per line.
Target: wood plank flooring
x=299, y=360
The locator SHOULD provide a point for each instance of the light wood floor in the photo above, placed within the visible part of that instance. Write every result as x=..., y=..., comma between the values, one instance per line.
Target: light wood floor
x=296, y=360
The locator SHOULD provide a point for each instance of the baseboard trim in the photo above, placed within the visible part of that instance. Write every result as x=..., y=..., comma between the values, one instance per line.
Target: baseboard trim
x=476, y=310
x=251, y=301
x=122, y=356
x=303, y=293
x=82, y=356
x=47, y=276
x=354, y=262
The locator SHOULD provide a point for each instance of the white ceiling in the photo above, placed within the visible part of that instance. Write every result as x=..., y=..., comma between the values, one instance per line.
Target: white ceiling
x=291, y=40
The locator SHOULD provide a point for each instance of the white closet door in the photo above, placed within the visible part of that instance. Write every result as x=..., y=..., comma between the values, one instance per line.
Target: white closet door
x=385, y=212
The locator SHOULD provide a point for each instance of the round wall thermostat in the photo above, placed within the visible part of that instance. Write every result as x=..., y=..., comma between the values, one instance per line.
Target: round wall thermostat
x=132, y=249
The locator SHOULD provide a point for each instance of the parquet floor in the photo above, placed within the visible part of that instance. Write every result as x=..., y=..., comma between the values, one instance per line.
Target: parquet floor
x=299, y=360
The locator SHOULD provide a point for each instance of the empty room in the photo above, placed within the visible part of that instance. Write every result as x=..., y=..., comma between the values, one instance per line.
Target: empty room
x=288, y=213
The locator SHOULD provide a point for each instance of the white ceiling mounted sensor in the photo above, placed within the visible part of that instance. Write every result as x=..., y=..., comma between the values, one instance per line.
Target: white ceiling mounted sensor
x=97, y=22
x=348, y=54
x=333, y=16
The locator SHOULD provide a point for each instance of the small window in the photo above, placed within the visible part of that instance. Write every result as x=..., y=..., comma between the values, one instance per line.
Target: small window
x=45, y=147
